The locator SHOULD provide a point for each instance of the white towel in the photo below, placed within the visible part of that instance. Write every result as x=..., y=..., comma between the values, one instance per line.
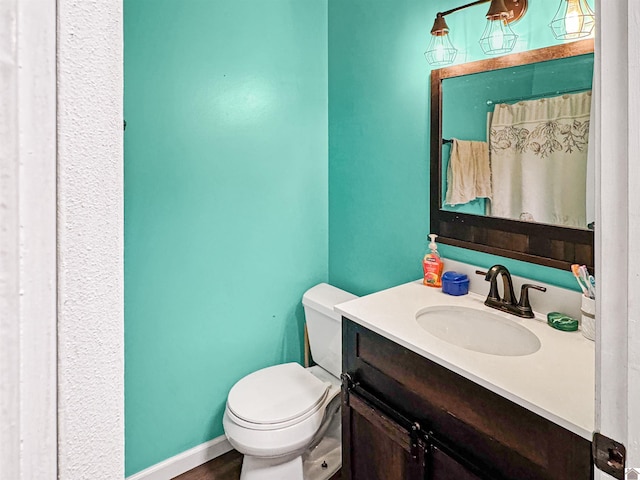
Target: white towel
x=468, y=173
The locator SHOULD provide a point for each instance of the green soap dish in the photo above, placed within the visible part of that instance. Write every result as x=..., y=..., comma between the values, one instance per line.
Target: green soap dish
x=562, y=321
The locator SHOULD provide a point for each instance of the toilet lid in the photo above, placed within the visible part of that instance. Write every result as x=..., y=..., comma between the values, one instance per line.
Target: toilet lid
x=276, y=394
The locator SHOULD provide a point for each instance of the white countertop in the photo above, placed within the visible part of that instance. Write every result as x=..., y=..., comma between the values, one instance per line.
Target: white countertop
x=557, y=382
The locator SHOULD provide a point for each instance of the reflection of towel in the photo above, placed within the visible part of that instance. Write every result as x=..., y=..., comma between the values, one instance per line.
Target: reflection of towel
x=468, y=174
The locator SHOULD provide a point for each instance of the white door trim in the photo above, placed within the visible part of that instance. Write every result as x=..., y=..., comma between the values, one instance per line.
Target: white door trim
x=618, y=225
x=61, y=240
x=633, y=333
x=28, y=404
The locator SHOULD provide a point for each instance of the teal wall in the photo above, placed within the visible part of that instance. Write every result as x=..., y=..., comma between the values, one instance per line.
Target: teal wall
x=378, y=136
x=226, y=204
x=231, y=207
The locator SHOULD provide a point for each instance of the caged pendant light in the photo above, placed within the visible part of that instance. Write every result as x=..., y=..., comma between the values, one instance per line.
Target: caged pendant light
x=498, y=38
x=574, y=19
x=440, y=50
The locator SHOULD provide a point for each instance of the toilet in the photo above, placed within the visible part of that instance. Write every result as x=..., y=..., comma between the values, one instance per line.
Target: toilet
x=285, y=419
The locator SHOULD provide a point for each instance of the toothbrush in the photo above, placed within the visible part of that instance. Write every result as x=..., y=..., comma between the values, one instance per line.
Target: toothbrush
x=575, y=269
x=584, y=275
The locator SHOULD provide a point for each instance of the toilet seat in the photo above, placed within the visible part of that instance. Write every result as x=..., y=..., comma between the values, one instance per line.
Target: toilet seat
x=283, y=439
x=276, y=397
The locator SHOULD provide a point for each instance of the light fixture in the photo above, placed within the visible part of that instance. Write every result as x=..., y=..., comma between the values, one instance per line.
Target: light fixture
x=440, y=50
x=498, y=38
x=574, y=19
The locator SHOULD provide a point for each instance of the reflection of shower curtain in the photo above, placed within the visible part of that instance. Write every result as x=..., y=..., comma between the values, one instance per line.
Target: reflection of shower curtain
x=539, y=159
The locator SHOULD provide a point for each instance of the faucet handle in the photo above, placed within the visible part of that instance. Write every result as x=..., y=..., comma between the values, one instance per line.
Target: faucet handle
x=523, y=305
x=489, y=276
x=535, y=287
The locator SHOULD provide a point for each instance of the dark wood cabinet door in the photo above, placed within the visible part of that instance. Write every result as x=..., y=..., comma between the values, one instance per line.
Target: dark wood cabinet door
x=375, y=446
x=443, y=467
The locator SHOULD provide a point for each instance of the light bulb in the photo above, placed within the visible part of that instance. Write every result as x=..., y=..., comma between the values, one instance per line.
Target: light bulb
x=440, y=51
x=574, y=19
x=439, y=54
x=496, y=39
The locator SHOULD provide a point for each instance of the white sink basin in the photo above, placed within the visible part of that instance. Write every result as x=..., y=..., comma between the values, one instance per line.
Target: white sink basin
x=478, y=330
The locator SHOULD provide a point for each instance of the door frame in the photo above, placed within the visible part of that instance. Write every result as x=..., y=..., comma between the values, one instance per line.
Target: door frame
x=61, y=240
x=617, y=124
x=28, y=272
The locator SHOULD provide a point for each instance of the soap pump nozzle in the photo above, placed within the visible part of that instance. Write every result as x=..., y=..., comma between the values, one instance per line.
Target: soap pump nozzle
x=433, y=246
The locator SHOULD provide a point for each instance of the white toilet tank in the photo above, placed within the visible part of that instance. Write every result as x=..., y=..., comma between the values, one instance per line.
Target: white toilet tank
x=324, y=325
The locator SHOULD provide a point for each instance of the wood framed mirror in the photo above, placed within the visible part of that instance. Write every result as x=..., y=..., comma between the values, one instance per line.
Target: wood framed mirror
x=544, y=243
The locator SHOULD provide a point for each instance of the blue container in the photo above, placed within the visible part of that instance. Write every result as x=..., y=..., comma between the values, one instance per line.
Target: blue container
x=454, y=283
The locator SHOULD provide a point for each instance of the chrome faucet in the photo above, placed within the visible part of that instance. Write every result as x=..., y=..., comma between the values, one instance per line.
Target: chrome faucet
x=507, y=303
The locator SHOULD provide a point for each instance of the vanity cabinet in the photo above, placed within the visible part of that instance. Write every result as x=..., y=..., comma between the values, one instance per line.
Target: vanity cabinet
x=381, y=448
x=384, y=448
x=406, y=417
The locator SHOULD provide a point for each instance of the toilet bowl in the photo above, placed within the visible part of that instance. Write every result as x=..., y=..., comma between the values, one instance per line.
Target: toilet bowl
x=285, y=418
x=277, y=411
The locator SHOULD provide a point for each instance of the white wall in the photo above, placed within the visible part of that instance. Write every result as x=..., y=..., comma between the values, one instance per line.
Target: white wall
x=90, y=240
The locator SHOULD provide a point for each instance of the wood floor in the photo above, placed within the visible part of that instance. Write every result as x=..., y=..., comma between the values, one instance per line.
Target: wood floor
x=225, y=467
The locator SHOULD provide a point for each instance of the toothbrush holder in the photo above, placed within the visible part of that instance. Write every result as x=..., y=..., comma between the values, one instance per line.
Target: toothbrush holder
x=588, y=309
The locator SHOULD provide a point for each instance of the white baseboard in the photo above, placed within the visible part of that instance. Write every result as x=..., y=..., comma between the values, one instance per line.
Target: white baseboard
x=185, y=461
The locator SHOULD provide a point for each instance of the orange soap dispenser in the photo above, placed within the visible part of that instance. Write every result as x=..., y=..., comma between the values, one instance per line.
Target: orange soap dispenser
x=432, y=265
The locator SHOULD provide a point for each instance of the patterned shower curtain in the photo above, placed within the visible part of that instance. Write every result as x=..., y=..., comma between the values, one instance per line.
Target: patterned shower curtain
x=539, y=160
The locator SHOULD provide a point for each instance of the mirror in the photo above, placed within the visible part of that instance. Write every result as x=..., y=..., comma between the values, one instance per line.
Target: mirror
x=521, y=122
x=534, y=119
